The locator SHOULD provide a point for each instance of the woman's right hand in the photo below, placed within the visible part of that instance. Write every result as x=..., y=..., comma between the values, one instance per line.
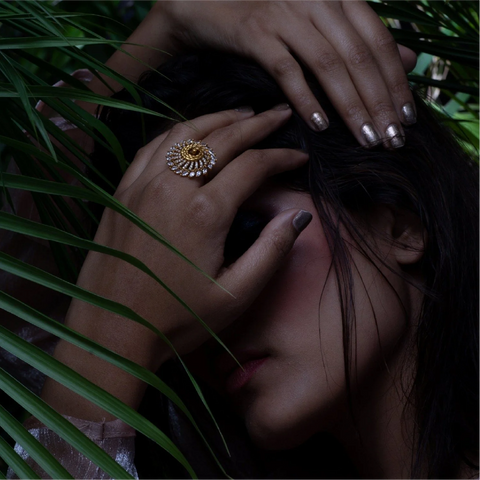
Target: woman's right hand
x=344, y=43
x=195, y=216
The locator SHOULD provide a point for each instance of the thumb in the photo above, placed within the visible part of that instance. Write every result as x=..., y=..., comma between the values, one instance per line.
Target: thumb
x=249, y=274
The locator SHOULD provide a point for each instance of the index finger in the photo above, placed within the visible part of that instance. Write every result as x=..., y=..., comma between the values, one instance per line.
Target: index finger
x=147, y=163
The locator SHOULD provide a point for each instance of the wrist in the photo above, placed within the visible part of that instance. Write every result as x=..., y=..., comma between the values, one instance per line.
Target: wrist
x=167, y=20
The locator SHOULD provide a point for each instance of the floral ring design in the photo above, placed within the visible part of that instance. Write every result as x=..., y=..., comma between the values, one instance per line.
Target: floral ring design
x=190, y=158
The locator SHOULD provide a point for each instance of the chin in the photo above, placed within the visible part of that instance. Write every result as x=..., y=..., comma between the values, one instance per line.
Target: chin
x=281, y=431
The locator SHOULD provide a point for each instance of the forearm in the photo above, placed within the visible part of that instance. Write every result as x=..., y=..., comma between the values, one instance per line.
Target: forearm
x=122, y=336
x=149, y=45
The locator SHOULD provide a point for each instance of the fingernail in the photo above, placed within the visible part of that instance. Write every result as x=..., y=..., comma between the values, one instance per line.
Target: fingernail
x=301, y=220
x=409, y=115
x=300, y=150
x=281, y=106
x=394, y=136
x=320, y=123
x=246, y=108
x=370, y=134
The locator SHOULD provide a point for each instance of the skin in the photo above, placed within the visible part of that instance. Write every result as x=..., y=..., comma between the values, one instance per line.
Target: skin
x=301, y=389
x=362, y=71
x=196, y=219
x=344, y=43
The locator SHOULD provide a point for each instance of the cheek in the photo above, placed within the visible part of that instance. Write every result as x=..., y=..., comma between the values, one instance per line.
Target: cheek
x=303, y=391
x=303, y=383
x=294, y=291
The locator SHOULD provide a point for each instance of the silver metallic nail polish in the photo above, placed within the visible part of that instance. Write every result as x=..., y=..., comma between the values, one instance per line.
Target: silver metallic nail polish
x=320, y=123
x=409, y=115
x=394, y=136
x=370, y=134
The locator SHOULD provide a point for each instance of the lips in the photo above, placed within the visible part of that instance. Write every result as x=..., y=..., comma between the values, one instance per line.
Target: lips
x=231, y=376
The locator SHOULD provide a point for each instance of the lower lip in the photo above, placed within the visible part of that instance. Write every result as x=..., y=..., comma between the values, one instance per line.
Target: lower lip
x=238, y=378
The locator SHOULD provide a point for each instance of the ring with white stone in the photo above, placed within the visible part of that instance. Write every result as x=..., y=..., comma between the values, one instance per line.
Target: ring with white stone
x=190, y=158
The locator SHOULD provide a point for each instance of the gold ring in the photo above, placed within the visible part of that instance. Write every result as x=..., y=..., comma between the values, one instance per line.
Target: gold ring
x=191, y=158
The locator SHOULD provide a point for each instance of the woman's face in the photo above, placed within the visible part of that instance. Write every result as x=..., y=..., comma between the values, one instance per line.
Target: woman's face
x=290, y=340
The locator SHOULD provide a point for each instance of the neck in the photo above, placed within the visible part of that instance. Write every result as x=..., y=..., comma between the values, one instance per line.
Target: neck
x=380, y=441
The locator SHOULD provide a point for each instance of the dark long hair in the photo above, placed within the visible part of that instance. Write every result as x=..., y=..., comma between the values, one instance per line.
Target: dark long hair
x=430, y=176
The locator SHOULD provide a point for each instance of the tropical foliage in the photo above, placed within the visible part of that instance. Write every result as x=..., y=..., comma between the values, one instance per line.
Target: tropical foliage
x=43, y=42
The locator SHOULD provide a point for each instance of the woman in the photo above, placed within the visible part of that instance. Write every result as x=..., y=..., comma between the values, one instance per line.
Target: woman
x=385, y=112
x=365, y=326
x=357, y=62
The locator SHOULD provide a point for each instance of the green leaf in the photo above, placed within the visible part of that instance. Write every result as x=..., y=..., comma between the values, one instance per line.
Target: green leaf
x=106, y=200
x=456, y=87
x=53, y=420
x=23, y=311
x=49, y=42
x=18, y=465
x=73, y=93
x=23, y=94
x=29, y=443
x=78, y=384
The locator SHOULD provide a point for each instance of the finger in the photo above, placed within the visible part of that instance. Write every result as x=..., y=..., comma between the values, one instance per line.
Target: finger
x=409, y=58
x=229, y=142
x=286, y=71
x=243, y=176
x=332, y=74
x=386, y=53
x=250, y=273
x=140, y=161
x=367, y=94
x=154, y=160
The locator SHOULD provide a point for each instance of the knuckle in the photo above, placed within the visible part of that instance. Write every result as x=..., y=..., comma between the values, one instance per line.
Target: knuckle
x=141, y=152
x=258, y=19
x=285, y=67
x=399, y=87
x=328, y=62
x=203, y=211
x=122, y=196
x=382, y=109
x=354, y=110
x=386, y=44
x=360, y=56
x=258, y=160
x=255, y=23
x=278, y=243
x=178, y=129
x=156, y=188
x=225, y=135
